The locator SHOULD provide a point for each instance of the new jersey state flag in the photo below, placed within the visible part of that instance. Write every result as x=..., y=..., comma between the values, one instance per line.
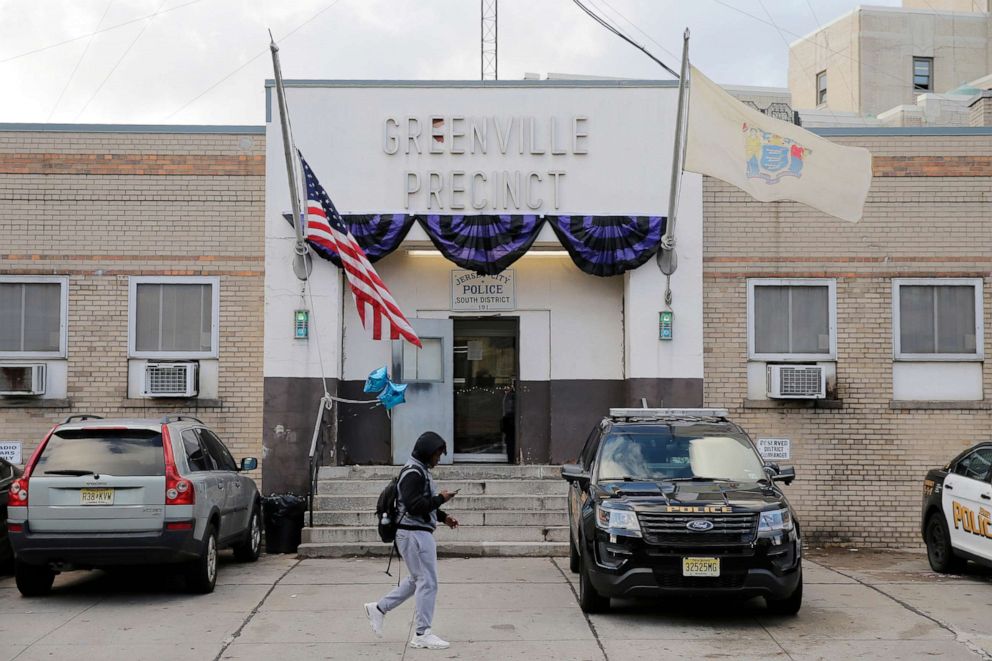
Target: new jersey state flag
x=770, y=159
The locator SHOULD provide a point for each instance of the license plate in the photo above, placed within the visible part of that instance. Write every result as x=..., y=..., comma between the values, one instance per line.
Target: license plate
x=96, y=497
x=700, y=566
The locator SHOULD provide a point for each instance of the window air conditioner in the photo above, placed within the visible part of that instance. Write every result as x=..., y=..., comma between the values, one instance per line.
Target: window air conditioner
x=170, y=380
x=796, y=382
x=24, y=379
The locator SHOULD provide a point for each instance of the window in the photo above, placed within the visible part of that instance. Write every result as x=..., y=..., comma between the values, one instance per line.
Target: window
x=120, y=452
x=6, y=470
x=923, y=74
x=792, y=320
x=221, y=456
x=33, y=314
x=976, y=465
x=426, y=364
x=196, y=457
x=174, y=317
x=937, y=319
x=678, y=452
x=589, y=449
x=821, y=88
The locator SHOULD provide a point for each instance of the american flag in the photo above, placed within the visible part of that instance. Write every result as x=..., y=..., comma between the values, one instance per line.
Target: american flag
x=326, y=231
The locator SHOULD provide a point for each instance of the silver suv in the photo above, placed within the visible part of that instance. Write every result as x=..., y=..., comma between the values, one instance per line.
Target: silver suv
x=99, y=493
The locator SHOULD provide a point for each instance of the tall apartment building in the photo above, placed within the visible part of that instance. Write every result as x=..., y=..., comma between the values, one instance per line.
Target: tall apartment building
x=873, y=59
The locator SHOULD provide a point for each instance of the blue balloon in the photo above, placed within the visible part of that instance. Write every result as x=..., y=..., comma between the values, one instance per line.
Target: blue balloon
x=392, y=395
x=377, y=380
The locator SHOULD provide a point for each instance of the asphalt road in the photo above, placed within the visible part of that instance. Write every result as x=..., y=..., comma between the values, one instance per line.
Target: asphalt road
x=858, y=605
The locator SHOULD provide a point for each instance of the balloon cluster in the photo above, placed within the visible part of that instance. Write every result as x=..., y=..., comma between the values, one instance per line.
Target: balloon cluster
x=390, y=394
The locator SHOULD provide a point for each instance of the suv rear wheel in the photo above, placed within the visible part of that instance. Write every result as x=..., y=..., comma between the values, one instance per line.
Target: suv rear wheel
x=33, y=580
x=201, y=575
x=251, y=547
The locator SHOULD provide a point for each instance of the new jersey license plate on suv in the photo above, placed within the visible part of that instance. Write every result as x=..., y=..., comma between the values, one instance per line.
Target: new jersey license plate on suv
x=96, y=497
x=700, y=566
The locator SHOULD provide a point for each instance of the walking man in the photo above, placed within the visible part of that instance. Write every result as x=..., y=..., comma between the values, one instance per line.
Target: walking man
x=418, y=511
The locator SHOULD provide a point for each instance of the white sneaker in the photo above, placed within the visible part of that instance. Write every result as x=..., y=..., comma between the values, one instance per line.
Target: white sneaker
x=427, y=640
x=375, y=616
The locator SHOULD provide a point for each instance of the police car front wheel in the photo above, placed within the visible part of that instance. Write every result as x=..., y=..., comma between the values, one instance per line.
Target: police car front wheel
x=940, y=553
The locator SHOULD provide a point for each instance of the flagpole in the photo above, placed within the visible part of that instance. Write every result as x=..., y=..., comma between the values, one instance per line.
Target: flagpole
x=666, y=259
x=302, y=263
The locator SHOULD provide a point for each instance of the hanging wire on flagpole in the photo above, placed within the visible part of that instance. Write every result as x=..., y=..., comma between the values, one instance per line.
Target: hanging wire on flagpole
x=606, y=24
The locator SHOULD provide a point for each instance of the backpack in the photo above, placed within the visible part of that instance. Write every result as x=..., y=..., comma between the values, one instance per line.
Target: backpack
x=387, y=508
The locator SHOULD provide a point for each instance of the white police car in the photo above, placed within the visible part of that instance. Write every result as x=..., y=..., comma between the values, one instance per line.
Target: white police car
x=957, y=511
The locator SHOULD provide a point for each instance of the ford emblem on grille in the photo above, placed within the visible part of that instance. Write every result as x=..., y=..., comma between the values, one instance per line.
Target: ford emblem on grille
x=699, y=525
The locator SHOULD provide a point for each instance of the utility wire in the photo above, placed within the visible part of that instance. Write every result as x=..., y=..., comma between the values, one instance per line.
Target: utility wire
x=91, y=34
x=620, y=34
x=245, y=64
x=78, y=62
x=636, y=27
x=119, y=60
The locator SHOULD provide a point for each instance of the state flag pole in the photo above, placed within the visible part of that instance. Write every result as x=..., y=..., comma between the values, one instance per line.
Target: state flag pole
x=303, y=262
x=666, y=257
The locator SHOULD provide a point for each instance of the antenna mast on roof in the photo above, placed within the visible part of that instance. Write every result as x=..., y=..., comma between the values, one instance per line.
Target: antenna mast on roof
x=490, y=44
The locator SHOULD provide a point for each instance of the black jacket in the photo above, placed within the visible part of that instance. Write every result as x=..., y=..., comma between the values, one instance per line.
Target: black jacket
x=419, y=505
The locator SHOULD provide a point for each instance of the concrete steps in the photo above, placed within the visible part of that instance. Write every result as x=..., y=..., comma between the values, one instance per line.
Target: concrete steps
x=445, y=550
x=503, y=510
x=370, y=534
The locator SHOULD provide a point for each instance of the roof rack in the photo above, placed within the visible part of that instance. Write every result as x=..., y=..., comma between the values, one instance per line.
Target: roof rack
x=83, y=416
x=166, y=419
x=655, y=414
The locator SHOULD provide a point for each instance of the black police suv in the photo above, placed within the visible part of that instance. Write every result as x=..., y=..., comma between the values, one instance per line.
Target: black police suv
x=676, y=502
x=957, y=511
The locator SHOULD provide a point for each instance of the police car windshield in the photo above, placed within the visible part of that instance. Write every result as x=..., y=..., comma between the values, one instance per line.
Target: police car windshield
x=663, y=452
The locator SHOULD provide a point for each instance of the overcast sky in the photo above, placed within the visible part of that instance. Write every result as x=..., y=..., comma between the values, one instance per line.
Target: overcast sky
x=190, y=61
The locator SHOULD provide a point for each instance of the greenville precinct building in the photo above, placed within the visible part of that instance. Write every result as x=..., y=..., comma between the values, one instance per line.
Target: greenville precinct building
x=882, y=322
x=525, y=347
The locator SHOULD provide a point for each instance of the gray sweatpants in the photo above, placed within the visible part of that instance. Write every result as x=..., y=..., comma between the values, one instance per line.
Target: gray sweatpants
x=419, y=551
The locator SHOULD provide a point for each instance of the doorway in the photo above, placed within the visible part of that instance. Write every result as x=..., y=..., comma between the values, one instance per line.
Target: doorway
x=486, y=367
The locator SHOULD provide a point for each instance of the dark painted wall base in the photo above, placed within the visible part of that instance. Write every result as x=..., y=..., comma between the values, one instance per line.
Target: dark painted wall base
x=553, y=420
x=291, y=406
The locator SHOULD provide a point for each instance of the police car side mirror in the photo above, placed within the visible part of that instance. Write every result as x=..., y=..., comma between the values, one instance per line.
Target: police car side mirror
x=786, y=475
x=249, y=464
x=573, y=473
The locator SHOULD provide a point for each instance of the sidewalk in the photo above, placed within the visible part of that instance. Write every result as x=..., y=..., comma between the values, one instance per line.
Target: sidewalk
x=857, y=606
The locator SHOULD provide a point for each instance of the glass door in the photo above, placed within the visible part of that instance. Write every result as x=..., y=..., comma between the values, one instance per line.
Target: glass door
x=485, y=379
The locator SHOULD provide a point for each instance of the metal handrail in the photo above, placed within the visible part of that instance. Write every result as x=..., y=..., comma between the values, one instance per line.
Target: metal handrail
x=316, y=453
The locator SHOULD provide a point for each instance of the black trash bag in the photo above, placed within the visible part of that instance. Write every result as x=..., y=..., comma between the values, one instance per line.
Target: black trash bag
x=283, y=516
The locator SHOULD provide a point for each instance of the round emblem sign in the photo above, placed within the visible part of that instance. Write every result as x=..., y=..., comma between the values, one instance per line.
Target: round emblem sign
x=699, y=525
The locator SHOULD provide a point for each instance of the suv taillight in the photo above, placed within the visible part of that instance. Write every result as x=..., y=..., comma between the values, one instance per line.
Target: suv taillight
x=19, y=487
x=178, y=490
x=19, y=493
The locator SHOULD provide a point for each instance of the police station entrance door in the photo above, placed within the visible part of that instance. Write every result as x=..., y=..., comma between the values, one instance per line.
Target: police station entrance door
x=486, y=352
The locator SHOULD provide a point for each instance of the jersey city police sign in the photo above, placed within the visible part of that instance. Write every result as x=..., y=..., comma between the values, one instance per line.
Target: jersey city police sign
x=482, y=293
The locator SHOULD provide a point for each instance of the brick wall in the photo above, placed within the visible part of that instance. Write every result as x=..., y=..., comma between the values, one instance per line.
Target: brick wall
x=98, y=207
x=861, y=466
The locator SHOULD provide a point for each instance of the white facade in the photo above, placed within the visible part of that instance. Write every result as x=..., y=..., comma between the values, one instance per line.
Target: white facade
x=570, y=147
